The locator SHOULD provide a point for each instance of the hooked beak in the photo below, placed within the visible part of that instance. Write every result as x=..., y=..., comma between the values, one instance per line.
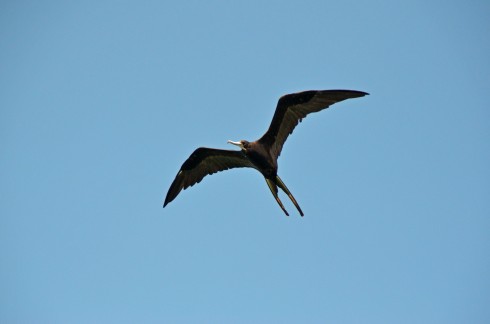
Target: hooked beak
x=236, y=143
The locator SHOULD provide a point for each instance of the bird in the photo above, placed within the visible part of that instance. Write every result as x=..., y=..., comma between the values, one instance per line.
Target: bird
x=263, y=153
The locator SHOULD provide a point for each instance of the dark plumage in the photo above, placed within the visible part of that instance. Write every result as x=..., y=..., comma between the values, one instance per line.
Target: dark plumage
x=263, y=153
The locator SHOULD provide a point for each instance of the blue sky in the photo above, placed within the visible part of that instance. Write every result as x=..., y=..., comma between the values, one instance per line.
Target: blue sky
x=102, y=101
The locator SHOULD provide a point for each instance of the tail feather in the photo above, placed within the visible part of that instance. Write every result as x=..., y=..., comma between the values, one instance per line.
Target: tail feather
x=273, y=188
x=290, y=195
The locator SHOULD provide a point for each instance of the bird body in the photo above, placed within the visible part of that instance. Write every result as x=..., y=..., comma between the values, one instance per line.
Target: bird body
x=262, y=154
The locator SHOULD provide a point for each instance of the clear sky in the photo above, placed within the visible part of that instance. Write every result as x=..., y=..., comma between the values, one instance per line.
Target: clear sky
x=102, y=101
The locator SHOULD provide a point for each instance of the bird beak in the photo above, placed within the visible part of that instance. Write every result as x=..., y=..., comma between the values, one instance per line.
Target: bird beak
x=236, y=143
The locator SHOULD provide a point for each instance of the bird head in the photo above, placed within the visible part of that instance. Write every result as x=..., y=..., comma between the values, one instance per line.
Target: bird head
x=243, y=144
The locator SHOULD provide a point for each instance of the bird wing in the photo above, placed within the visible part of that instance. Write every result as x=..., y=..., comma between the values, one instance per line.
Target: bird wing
x=202, y=162
x=292, y=108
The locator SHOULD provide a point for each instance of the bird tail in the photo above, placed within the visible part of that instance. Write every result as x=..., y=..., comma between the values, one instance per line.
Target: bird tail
x=273, y=184
x=290, y=195
x=273, y=187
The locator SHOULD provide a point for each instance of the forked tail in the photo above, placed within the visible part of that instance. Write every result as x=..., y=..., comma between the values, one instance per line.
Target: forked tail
x=290, y=195
x=273, y=187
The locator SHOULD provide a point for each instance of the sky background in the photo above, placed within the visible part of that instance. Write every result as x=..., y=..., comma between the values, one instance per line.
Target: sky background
x=102, y=101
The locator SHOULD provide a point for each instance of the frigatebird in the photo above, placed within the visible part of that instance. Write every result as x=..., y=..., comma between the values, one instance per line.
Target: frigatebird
x=262, y=154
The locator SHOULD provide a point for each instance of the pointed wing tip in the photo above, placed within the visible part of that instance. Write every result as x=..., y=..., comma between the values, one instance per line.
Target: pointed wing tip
x=350, y=93
x=167, y=201
x=357, y=93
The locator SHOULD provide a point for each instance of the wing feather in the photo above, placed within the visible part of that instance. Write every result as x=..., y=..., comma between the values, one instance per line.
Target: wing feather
x=292, y=108
x=202, y=162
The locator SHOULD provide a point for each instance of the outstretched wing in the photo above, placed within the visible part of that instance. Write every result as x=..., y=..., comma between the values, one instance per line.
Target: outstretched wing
x=202, y=162
x=292, y=108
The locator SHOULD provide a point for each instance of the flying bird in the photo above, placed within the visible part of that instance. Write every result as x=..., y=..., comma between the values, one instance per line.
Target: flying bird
x=262, y=154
